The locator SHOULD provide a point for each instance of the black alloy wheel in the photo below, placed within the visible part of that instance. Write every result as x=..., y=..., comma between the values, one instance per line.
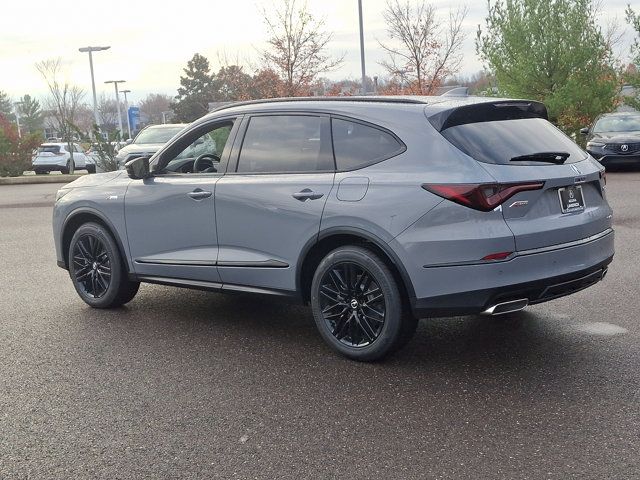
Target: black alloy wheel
x=91, y=266
x=96, y=268
x=358, y=304
x=353, y=304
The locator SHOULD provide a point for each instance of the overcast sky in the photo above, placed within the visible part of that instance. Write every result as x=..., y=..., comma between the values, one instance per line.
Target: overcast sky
x=152, y=41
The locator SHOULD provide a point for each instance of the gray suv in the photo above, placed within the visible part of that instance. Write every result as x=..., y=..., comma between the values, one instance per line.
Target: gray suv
x=376, y=211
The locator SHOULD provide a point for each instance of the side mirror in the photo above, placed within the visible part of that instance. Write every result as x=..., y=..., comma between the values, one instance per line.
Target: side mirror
x=129, y=140
x=584, y=131
x=138, y=168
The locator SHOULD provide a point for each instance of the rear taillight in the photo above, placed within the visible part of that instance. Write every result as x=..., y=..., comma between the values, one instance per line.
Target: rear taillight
x=480, y=196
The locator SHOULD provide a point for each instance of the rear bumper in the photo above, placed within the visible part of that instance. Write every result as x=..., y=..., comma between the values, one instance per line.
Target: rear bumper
x=538, y=277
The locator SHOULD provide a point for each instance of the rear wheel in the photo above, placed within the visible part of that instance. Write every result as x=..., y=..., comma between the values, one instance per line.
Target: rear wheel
x=357, y=305
x=91, y=169
x=69, y=169
x=97, y=270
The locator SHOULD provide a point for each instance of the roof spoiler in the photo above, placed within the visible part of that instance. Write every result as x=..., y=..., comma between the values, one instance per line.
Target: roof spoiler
x=488, y=112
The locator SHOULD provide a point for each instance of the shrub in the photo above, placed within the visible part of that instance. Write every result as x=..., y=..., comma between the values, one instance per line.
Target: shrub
x=15, y=152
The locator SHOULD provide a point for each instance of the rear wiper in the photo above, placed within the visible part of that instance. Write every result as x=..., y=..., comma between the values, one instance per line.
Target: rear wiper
x=550, y=157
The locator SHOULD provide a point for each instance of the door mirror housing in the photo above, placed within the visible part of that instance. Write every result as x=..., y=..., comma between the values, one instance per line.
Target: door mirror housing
x=584, y=131
x=138, y=168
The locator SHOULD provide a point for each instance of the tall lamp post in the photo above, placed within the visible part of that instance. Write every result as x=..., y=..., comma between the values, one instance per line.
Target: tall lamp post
x=126, y=111
x=116, y=82
x=16, y=105
x=90, y=50
x=364, y=86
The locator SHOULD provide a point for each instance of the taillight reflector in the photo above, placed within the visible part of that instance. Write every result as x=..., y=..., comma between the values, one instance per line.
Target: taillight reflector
x=497, y=256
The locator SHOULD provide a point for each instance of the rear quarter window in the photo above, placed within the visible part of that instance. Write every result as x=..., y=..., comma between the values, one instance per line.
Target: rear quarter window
x=357, y=145
x=499, y=141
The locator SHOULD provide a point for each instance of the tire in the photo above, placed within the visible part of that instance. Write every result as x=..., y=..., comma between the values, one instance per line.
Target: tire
x=97, y=269
x=91, y=169
x=367, y=320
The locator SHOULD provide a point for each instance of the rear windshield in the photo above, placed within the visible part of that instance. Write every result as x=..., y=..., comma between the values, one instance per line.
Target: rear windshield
x=157, y=135
x=499, y=141
x=49, y=148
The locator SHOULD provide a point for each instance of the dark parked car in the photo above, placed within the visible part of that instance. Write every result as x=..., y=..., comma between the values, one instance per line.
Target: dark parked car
x=614, y=138
x=376, y=211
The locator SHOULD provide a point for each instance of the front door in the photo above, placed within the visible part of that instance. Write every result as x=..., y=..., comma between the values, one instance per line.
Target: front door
x=171, y=222
x=270, y=204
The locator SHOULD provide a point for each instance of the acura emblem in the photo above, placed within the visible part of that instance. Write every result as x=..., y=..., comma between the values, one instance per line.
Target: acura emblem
x=624, y=148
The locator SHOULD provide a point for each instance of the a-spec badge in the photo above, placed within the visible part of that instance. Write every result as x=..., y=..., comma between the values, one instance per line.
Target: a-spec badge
x=112, y=197
x=519, y=203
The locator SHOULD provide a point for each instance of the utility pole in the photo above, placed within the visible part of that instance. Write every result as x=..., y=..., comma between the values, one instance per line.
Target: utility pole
x=116, y=82
x=364, y=87
x=16, y=106
x=126, y=109
x=90, y=50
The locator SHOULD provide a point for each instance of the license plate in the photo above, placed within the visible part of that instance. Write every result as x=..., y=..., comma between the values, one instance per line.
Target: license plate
x=571, y=199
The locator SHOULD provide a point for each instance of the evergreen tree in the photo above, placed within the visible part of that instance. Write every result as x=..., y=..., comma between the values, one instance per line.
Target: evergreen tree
x=31, y=117
x=196, y=90
x=6, y=107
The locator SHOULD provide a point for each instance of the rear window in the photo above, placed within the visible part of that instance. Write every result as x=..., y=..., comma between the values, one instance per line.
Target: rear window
x=49, y=149
x=499, y=141
x=356, y=145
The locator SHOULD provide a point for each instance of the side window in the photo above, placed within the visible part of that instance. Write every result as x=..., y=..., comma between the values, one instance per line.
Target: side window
x=286, y=143
x=202, y=155
x=356, y=145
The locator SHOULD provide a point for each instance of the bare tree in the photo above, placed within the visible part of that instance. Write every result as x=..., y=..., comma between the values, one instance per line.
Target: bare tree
x=64, y=100
x=297, y=47
x=154, y=104
x=422, y=53
x=108, y=113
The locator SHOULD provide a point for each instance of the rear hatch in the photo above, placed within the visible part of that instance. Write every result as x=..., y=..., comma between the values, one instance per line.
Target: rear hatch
x=516, y=145
x=49, y=154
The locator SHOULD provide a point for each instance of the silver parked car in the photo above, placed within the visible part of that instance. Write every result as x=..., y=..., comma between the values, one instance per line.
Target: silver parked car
x=376, y=211
x=57, y=157
x=147, y=142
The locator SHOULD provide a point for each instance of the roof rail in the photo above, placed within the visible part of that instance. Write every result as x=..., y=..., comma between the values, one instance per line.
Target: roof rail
x=374, y=99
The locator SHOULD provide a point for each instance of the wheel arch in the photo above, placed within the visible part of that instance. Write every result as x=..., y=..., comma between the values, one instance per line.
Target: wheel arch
x=327, y=240
x=84, y=215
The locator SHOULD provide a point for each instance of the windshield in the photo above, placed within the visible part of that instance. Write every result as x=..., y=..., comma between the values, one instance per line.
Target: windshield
x=157, y=135
x=49, y=148
x=618, y=124
x=500, y=141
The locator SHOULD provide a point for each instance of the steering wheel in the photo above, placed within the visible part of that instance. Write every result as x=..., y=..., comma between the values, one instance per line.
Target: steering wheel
x=206, y=163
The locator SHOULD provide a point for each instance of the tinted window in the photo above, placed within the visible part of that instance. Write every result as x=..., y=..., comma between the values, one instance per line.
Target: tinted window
x=49, y=148
x=618, y=124
x=356, y=145
x=500, y=141
x=285, y=143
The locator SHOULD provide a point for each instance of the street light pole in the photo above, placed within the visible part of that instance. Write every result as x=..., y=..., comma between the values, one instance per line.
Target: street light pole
x=16, y=105
x=116, y=82
x=364, y=87
x=126, y=111
x=90, y=50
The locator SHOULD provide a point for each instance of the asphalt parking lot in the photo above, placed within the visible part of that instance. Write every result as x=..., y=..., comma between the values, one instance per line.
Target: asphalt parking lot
x=188, y=384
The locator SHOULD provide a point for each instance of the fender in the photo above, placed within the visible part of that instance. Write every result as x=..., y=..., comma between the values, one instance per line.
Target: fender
x=370, y=237
x=107, y=222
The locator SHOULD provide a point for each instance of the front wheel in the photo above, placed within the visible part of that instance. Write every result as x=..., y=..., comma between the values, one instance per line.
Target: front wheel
x=91, y=169
x=97, y=270
x=357, y=305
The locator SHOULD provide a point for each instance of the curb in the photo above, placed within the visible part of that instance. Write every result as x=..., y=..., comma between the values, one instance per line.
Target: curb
x=34, y=179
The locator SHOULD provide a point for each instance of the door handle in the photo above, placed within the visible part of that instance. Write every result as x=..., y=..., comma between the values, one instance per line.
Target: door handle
x=307, y=194
x=199, y=194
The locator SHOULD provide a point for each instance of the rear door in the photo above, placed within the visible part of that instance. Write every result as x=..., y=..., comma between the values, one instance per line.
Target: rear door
x=570, y=206
x=269, y=205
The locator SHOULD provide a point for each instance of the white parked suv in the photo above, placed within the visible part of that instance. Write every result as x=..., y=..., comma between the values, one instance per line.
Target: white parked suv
x=56, y=157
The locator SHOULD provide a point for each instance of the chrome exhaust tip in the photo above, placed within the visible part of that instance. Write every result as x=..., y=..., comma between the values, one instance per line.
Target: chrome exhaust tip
x=507, y=307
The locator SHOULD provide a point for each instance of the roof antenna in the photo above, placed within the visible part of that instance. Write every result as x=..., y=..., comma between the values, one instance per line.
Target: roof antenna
x=456, y=92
